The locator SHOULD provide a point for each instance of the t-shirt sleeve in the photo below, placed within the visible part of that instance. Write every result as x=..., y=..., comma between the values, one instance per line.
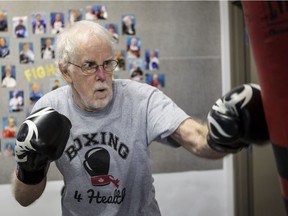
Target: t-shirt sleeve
x=163, y=118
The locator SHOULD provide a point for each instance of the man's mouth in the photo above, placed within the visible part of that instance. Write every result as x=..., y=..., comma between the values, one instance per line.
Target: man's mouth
x=101, y=90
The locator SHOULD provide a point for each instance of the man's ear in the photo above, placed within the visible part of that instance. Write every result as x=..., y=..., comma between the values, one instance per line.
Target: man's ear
x=65, y=73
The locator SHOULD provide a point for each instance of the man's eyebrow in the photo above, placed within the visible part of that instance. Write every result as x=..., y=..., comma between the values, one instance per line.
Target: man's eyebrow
x=90, y=62
x=94, y=62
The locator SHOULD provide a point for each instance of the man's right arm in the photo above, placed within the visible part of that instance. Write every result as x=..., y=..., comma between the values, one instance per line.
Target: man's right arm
x=26, y=194
x=40, y=140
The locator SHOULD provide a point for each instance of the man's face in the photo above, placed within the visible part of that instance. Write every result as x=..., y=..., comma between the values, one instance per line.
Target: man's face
x=1, y=15
x=58, y=17
x=8, y=71
x=11, y=122
x=128, y=21
x=56, y=83
x=91, y=92
x=48, y=42
x=25, y=47
x=35, y=87
x=38, y=17
x=134, y=41
x=152, y=53
x=2, y=42
x=90, y=10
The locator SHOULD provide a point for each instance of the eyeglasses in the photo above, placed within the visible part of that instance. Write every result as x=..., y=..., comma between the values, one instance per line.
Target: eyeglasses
x=89, y=68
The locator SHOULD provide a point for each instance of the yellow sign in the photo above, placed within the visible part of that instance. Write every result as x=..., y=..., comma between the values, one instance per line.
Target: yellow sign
x=40, y=72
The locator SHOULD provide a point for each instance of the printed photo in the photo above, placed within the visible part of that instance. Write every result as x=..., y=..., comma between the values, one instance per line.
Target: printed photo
x=95, y=12
x=8, y=75
x=16, y=101
x=26, y=53
x=9, y=125
x=55, y=83
x=4, y=47
x=101, y=12
x=113, y=29
x=128, y=25
x=136, y=69
x=152, y=59
x=133, y=47
x=57, y=22
x=39, y=23
x=20, y=27
x=3, y=21
x=156, y=80
x=135, y=65
x=121, y=58
x=35, y=93
x=90, y=13
x=8, y=148
x=47, y=48
x=74, y=15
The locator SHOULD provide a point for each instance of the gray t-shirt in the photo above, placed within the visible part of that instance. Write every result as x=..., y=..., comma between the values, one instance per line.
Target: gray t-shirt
x=106, y=164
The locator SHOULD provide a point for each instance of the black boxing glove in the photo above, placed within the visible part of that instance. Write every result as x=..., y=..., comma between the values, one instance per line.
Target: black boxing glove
x=41, y=139
x=237, y=120
x=97, y=163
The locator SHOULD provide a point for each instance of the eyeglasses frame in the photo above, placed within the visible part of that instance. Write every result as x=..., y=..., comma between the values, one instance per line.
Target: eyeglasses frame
x=110, y=72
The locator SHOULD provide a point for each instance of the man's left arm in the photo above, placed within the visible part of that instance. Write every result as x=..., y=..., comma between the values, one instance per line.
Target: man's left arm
x=235, y=121
x=192, y=135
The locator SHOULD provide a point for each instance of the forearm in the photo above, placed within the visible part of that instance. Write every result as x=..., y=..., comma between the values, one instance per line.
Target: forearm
x=35, y=153
x=26, y=194
x=192, y=135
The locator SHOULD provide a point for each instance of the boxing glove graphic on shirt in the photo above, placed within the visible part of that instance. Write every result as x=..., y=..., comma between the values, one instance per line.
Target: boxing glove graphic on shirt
x=97, y=163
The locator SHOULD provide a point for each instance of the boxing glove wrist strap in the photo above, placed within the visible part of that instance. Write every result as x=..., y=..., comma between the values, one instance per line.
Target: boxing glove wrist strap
x=31, y=177
x=233, y=148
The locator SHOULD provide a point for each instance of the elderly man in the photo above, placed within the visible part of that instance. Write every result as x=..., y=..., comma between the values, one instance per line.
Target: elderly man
x=104, y=157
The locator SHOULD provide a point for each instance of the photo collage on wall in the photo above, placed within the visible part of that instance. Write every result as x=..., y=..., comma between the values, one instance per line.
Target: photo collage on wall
x=44, y=26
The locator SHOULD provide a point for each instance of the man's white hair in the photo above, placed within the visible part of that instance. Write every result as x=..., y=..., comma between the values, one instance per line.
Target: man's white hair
x=69, y=41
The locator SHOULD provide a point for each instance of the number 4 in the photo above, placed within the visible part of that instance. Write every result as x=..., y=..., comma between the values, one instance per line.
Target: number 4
x=78, y=196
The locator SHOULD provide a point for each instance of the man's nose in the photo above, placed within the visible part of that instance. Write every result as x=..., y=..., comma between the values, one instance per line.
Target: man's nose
x=101, y=73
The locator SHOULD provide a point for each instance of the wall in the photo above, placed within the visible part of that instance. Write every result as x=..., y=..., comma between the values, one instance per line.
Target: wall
x=187, y=35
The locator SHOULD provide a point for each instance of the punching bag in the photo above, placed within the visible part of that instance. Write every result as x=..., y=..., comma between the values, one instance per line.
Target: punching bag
x=267, y=25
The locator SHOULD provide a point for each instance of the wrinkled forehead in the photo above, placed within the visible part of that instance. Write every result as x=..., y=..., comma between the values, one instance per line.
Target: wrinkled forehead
x=86, y=37
x=89, y=40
